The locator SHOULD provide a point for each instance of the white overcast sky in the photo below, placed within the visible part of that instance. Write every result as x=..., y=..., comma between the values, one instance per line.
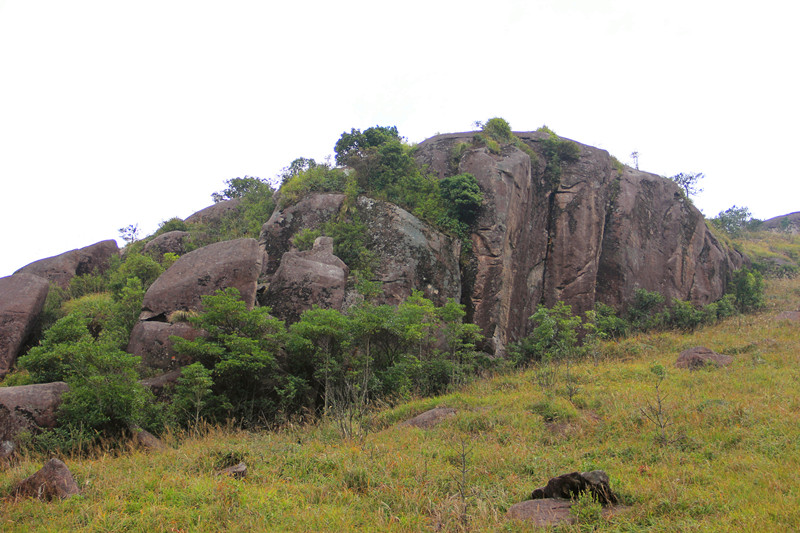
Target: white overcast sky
x=120, y=112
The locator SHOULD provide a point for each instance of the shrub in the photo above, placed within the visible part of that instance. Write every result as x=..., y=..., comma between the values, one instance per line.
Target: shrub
x=747, y=287
x=554, y=336
x=304, y=239
x=644, y=313
x=497, y=129
x=463, y=196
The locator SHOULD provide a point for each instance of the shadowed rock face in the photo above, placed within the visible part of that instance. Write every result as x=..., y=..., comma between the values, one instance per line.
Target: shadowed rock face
x=22, y=298
x=305, y=279
x=151, y=341
x=598, y=235
x=60, y=269
x=221, y=265
x=29, y=407
x=54, y=480
x=170, y=242
x=215, y=212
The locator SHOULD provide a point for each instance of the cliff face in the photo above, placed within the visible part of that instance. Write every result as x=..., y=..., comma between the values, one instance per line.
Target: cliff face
x=599, y=234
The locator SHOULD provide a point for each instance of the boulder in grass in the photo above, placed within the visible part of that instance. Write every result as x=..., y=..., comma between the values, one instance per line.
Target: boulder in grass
x=569, y=486
x=54, y=480
x=237, y=471
x=430, y=418
x=791, y=316
x=700, y=356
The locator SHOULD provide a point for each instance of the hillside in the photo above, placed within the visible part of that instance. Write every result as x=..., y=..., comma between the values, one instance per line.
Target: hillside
x=729, y=463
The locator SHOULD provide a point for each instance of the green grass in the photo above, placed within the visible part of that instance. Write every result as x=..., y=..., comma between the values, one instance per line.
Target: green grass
x=730, y=465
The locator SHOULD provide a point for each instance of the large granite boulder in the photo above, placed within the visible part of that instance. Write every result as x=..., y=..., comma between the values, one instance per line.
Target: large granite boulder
x=214, y=213
x=411, y=254
x=699, y=357
x=60, y=269
x=311, y=212
x=151, y=341
x=53, y=480
x=220, y=265
x=597, y=232
x=572, y=485
x=170, y=242
x=29, y=407
x=306, y=279
x=22, y=298
x=657, y=240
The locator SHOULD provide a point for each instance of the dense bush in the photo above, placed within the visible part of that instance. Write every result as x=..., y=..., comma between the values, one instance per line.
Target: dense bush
x=747, y=287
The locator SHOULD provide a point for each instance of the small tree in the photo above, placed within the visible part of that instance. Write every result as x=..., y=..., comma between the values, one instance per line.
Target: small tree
x=688, y=182
x=733, y=220
x=130, y=233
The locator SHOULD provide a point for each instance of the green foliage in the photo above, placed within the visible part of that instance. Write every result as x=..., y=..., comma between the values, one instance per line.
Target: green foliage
x=355, y=145
x=240, y=350
x=135, y=265
x=497, y=129
x=241, y=187
x=301, y=164
x=688, y=181
x=747, y=287
x=607, y=324
x=320, y=178
x=463, y=196
x=173, y=224
x=350, y=240
x=104, y=394
x=554, y=336
x=304, y=239
x=735, y=220
x=645, y=311
x=557, y=151
x=191, y=394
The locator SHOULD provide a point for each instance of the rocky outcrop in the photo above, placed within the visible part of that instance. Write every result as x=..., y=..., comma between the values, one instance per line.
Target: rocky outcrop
x=160, y=385
x=306, y=279
x=173, y=242
x=785, y=223
x=594, y=231
x=53, y=480
x=657, y=240
x=310, y=212
x=22, y=298
x=410, y=254
x=214, y=213
x=29, y=408
x=60, y=269
x=700, y=356
x=221, y=265
x=150, y=340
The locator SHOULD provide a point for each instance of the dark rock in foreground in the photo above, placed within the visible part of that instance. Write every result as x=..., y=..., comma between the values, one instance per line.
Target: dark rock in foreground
x=700, y=356
x=29, y=407
x=569, y=486
x=54, y=480
x=22, y=298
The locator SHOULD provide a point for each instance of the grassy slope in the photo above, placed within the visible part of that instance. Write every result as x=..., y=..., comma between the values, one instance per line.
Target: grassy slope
x=732, y=464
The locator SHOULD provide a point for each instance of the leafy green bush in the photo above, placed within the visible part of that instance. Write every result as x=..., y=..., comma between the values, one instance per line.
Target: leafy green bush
x=555, y=335
x=304, y=239
x=747, y=287
x=463, y=196
x=645, y=311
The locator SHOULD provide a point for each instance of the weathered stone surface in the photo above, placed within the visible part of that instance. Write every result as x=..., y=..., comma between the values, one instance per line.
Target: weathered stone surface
x=173, y=242
x=146, y=440
x=430, y=418
x=214, y=213
x=657, y=240
x=54, y=480
x=22, y=298
x=29, y=407
x=598, y=234
x=221, y=265
x=150, y=340
x=311, y=212
x=7, y=449
x=237, y=471
x=314, y=277
x=60, y=269
x=568, y=486
x=542, y=513
x=700, y=356
x=411, y=254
